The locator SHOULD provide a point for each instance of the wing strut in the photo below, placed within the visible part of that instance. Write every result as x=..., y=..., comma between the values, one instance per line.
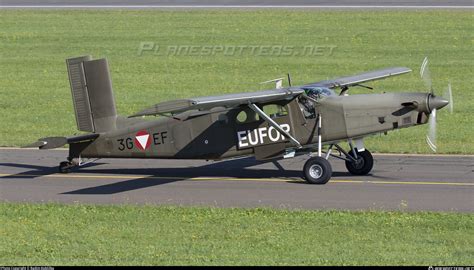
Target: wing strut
x=274, y=124
x=319, y=136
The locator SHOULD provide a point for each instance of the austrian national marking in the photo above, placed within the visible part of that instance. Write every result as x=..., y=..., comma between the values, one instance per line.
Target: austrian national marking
x=142, y=140
x=258, y=136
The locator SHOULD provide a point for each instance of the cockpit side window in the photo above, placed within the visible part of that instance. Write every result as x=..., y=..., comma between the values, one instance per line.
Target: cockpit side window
x=307, y=107
x=315, y=93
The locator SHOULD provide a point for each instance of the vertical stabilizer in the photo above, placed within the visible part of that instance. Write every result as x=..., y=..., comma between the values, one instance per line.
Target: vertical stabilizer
x=92, y=94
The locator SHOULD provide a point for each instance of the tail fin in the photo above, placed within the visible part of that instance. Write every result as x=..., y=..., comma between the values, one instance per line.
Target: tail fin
x=92, y=94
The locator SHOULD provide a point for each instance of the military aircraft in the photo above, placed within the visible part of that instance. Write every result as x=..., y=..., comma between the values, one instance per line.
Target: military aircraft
x=272, y=124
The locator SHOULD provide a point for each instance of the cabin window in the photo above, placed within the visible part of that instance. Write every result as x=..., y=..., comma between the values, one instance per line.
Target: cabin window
x=272, y=110
x=247, y=116
x=275, y=110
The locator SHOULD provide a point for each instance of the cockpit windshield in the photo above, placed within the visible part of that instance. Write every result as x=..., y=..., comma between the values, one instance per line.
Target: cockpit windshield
x=318, y=92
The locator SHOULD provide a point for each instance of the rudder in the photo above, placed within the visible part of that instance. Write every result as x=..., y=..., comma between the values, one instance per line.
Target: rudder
x=92, y=94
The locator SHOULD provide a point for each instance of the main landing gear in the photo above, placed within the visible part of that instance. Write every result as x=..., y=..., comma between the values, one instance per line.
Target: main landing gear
x=318, y=170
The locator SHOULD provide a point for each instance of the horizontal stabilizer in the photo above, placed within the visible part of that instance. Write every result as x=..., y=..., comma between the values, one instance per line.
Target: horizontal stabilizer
x=48, y=143
x=37, y=144
x=56, y=142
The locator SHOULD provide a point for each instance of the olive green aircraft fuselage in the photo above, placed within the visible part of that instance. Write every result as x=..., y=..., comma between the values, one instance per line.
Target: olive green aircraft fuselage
x=218, y=133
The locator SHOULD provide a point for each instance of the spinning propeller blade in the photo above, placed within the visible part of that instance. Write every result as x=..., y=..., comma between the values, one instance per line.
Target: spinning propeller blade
x=431, y=137
x=426, y=75
x=448, y=95
x=434, y=103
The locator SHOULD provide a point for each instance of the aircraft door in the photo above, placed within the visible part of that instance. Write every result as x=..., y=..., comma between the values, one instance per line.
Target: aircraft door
x=253, y=132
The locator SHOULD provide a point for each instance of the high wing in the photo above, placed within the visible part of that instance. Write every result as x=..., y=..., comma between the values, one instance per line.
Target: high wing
x=345, y=82
x=230, y=100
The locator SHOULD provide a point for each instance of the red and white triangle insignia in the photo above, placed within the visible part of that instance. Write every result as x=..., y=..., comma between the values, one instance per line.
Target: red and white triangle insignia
x=142, y=140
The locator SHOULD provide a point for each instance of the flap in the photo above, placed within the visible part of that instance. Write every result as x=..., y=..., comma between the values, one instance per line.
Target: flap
x=230, y=100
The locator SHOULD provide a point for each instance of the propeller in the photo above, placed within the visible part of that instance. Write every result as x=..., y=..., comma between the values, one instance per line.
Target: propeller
x=431, y=137
x=426, y=75
x=434, y=103
x=448, y=95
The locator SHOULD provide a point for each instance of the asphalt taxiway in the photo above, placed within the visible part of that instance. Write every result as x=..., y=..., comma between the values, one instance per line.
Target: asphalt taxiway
x=397, y=182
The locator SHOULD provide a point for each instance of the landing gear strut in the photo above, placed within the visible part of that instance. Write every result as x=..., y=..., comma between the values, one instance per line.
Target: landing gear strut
x=317, y=170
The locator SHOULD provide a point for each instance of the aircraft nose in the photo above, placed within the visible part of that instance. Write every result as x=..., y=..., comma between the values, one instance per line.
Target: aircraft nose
x=437, y=102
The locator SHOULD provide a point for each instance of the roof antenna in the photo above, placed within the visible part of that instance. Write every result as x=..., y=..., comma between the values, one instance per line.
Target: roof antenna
x=289, y=80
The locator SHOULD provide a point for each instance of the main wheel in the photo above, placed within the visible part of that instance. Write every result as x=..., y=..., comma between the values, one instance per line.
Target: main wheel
x=317, y=170
x=363, y=165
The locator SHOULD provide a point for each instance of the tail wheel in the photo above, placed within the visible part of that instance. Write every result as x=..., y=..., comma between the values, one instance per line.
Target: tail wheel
x=363, y=165
x=65, y=167
x=317, y=170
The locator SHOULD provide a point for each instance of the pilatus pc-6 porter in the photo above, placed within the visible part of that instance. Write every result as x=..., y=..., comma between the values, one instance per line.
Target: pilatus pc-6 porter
x=279, y=123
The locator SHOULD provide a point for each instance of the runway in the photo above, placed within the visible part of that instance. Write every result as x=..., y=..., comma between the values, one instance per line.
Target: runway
x=192, y=4
x=397, y=182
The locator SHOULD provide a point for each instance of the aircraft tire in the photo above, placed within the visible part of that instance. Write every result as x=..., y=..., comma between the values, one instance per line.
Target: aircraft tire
x=65, y=167
x=317, y=170
x=364, y=167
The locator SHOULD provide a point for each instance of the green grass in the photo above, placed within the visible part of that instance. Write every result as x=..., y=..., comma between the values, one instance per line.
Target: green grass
x=54, y=234
x=34, y=91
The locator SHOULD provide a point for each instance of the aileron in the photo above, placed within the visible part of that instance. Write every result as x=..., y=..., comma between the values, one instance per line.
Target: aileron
x=361, y=78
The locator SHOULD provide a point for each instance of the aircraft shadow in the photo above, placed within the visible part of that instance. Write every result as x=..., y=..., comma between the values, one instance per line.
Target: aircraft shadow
x=163, y=176
x=160, y=176
x=36, y=171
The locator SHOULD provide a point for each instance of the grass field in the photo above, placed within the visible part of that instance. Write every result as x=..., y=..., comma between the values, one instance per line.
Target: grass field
x=52, y=234
x=34, y=91
x=35, y=102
